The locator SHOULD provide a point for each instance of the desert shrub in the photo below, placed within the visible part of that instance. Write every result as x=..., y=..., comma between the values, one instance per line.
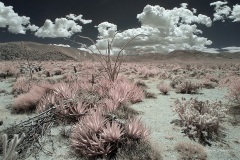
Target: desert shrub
x=200, y=119
x=28, y=101
x=147, y=72
x=187, y=87
x=190, y=151
x=234, y=92
x=164, y=88
x=123, y=92
x=8, y=70
x=176, y=81
x=208, y=84
x=22, y=85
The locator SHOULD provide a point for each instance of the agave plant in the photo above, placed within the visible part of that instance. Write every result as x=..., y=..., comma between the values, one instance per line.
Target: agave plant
x=112, y=132
x=135, y=129
x=78, y=109
x=88, y=143
x=94, y=121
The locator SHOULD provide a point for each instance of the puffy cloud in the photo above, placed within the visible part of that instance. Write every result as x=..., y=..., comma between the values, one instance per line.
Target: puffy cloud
x=232, y=49
x=166, y=30
x=32, y=28
x=78, y=18
x=106, y=30
x=222, y=11
x=62, y=27
x=61, y=45
x=235, y=15
x=15, y=23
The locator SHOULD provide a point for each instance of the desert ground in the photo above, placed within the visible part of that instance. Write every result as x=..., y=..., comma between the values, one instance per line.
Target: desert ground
x=158, y=109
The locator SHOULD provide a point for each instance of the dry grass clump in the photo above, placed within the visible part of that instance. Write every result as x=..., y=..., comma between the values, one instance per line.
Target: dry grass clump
x=22, y=85
x=27, y=102
x=190, y=151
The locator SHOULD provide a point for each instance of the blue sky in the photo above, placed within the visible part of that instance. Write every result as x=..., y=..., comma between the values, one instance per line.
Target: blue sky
x=184, y=24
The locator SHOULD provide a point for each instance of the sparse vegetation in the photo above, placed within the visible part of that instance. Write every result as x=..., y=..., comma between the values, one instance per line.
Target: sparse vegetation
x=99, y=114
x=190, y=151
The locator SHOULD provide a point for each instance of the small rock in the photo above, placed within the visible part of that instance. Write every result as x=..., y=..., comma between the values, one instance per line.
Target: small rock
x=169, y=137
x=1, y=122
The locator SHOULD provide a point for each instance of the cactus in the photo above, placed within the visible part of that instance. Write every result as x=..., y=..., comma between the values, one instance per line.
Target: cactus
x=9, y=150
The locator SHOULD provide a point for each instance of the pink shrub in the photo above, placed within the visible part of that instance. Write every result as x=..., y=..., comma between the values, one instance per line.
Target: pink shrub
x=123, y=92
x=29, y=101
x=22, y=85
x=146, y=72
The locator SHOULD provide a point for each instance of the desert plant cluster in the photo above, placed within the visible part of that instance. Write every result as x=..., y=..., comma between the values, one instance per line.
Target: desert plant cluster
x=95, y=99
x=200, y=119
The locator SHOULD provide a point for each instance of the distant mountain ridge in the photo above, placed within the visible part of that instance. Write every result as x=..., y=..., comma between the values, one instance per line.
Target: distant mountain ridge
x=36, y=51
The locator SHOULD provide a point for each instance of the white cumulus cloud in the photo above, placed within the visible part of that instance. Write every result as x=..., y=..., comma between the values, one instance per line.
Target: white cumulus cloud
x=222, y=11
x=166, y=30
x=235, y=15
x=11, y=20
x=78, y=18
x=32, y=28
x=61, y=27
